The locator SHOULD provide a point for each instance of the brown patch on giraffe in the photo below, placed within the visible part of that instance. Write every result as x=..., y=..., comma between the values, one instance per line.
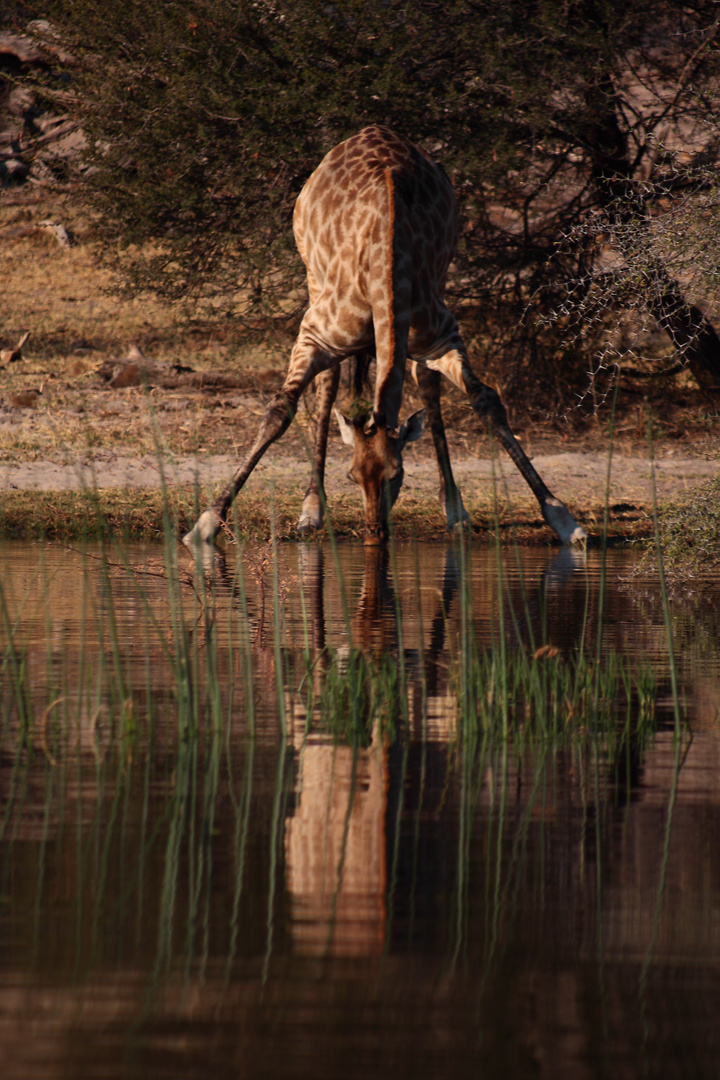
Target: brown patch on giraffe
x=343, y=279
x=390, y=288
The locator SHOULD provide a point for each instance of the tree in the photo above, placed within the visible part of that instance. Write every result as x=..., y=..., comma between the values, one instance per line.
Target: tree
x=575, y=133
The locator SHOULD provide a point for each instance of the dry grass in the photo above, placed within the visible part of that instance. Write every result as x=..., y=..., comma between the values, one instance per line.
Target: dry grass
x=142, y=514
x=60, y=294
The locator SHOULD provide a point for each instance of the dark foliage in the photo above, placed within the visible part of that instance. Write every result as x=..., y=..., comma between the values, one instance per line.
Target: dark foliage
x=571, y=130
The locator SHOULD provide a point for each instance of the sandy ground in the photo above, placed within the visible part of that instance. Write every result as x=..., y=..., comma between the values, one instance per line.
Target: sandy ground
x=576, y=476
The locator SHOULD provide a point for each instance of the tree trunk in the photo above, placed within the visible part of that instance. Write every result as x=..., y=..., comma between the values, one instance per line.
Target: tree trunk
x=692, y=334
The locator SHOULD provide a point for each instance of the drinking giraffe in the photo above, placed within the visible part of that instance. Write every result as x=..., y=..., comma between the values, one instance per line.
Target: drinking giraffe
x=376, y=225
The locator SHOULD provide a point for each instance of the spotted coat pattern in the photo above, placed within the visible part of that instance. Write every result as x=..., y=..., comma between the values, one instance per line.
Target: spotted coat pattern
x=376, y=225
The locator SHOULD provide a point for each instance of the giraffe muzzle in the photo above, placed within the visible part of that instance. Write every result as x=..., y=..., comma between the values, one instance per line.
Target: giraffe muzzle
x=375, y=535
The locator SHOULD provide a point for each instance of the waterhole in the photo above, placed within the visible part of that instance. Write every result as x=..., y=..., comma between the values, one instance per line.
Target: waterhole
x=439, y=812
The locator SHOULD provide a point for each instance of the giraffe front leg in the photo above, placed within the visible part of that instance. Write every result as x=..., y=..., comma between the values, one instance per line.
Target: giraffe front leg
x=277, y=419
x=313, y=507
x=450, y=498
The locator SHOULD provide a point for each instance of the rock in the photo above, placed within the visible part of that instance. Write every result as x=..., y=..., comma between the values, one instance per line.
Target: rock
x=61, y=234
x=126, y=375
x=13, y=170
x=24, y=399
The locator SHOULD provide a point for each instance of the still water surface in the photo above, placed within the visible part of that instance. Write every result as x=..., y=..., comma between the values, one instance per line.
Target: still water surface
x=254, y=895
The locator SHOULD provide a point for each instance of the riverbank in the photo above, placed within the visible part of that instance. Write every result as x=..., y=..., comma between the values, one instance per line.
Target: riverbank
x=135, y=496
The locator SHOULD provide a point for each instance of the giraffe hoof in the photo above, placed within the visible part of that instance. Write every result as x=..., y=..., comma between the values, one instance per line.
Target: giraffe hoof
x=375, y=536
x=560, y=519
x=203, y=532
x=311, y=517
x=456, y=516
x=305, y=526
x=457, y=523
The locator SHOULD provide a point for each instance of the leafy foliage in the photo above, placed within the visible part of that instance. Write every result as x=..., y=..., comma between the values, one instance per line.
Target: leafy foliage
x=569, y=130
x=690, y=532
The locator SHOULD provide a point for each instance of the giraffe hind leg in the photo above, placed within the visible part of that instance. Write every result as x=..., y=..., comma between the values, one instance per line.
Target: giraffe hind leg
x=313, y=507
x=307, y=361
x=488, y=406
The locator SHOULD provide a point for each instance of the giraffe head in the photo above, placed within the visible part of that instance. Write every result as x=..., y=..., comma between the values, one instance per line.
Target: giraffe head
x=377, y=466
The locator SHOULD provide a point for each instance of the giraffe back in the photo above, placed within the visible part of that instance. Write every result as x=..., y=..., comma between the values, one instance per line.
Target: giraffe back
x=376, y=225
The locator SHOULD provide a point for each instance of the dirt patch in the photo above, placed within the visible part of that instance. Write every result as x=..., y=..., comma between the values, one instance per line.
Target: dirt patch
x=580, y=477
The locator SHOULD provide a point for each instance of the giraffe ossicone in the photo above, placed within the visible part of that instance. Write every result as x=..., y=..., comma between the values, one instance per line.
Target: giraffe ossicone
x=376, y=225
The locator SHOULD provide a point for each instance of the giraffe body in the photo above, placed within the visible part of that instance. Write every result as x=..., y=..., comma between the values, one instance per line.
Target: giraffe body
x=376, y=225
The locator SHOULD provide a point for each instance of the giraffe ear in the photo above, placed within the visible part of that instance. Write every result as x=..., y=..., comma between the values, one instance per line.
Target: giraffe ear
x=413, y=427
x=347, y=428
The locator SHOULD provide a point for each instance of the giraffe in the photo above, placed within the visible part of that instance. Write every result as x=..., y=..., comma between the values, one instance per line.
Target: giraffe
x=376, y=225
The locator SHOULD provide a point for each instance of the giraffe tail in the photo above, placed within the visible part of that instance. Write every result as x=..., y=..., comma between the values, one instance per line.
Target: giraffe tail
x=390, y=297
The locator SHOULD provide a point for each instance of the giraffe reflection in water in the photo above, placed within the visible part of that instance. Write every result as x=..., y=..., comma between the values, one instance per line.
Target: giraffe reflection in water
x=335, y=841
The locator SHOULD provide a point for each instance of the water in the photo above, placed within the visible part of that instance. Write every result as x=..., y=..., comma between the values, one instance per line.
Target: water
x=401, y=898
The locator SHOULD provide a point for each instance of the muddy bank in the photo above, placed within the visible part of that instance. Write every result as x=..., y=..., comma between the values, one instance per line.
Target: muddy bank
x=130, y=493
